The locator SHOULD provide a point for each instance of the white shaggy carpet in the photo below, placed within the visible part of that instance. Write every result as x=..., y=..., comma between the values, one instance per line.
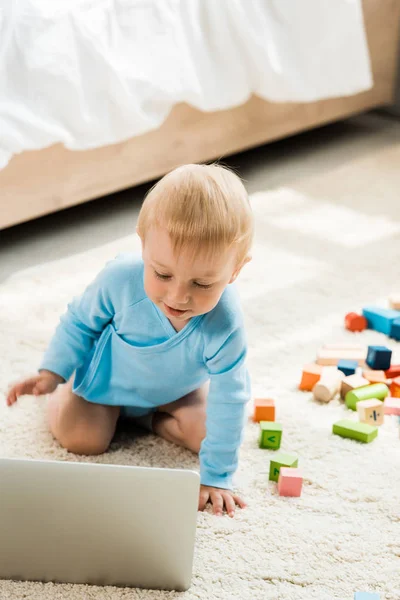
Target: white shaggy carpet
x=324, y=247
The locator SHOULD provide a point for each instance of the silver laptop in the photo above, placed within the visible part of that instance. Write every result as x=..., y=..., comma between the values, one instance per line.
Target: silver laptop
x=97, y=524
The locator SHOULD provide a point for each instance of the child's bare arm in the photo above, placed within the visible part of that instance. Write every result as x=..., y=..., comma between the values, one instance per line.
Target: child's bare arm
x=44, y=382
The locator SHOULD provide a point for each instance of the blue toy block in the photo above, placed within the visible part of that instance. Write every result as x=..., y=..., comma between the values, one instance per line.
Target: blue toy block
x=395, y=330
x=380, y=319
x=348, y=367
x=379, y=357
x=366, y=596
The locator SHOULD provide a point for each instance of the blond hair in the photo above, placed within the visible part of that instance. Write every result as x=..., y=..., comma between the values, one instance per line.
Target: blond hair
x=204, y=208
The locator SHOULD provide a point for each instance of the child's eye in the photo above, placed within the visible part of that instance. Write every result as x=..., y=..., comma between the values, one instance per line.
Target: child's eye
x=203, y=285
x=161, y=276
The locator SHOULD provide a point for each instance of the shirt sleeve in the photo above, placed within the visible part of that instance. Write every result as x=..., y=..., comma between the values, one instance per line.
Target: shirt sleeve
x=83, y=322
x=226, y=411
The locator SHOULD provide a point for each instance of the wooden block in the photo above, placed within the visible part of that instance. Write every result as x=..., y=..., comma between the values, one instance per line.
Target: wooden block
x=379, y=357
x=356, y=431
x=351, y=383
x=375, y=390
x=264, y=410
x=391, y=406
x=371, y=411
x=282, y=459
x=394, y=301
x=395, y=330
x=380, y=319
x=270, y=435
x=375, y=376
x=310, y=376
x=355, y=322
x=290, y=482
x=348, y=367
x=393, y=371
x=329, y=384
x=331, y=356
x=366, y=596
x=395, y=387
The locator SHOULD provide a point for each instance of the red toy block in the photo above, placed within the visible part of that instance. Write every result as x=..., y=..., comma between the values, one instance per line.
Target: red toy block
x=264, y=410
x=355, y=322
x=391, y=406
x=290, y=482
x=393, y=371
x=395, y=387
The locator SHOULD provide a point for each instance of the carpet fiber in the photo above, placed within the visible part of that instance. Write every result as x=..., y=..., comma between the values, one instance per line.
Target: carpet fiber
x=327, y=245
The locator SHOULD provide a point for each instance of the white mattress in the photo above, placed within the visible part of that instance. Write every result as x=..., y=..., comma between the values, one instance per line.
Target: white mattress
x=93, y=72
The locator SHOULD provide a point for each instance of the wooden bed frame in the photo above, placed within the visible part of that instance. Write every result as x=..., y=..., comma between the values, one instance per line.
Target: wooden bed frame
x=35, y=183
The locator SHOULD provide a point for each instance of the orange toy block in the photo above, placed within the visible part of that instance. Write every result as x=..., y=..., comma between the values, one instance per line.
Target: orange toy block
x=290, y=482
x=391, y=406
x=355, y=322
x=393, y=371
x=395, y=388
x=375, y=376
x=310, y=376
x=264, y=410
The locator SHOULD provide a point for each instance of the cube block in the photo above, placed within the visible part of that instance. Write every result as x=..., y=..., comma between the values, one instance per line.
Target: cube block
x=375, y=376
x=356, y=431
x=371, y=411
x=310, y=376
x=393, y=371
x=290, y=482
x=352, y=382
x=355, y=322
x=391, y=406
x=379, y=357
x=395, y=387
x=264, y=410
x=270, y=435
x=282, y=459
x=380, y=319
x=366, y=596
x=376, y=390
x=348, y=367
x=395, y=330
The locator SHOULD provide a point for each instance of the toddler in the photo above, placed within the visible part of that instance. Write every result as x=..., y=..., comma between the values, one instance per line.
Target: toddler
x=160, y=338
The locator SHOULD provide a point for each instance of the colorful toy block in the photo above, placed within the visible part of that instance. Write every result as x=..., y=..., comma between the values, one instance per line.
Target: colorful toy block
x=395, y=330
x=366, y=596
x=331, y=356
x=371, y=411
x=348, y=367
x=270, y=435
x=264, y=410
x=352, y=382
x=375, y=376
x=290, y=482
x=379, y=357
x=394, y=301
x=328, y=385
x=282, y=459
x=356, y=431
x=395, y=387
x=376, y=390
x=355, y=322
x=310, y=376
x=393, y=371
x=391, y=406
x=380, y=319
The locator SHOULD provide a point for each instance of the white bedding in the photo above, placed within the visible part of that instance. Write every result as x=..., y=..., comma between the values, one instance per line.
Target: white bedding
x=93, y=72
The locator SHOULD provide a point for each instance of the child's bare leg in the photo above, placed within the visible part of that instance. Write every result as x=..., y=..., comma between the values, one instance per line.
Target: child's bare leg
x=183, y=422
x=80, y=426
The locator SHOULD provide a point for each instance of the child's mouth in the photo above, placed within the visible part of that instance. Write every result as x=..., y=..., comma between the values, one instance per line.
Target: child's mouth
x=174, y=312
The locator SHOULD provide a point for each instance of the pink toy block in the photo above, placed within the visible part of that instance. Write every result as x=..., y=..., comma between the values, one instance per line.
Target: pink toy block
x=290, y=482
x=392, y=406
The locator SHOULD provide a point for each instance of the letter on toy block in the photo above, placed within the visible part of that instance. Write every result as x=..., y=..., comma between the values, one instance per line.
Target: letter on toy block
x=391, y=406
x=356, y=431
x=352, y=382
x=371, y=411
x=281, y=460
x=310, y=376
x=290, y=482
x=376, y=390
x=264, y=410
x=270, y=435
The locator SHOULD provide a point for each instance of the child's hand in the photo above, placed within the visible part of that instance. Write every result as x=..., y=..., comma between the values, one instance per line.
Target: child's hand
x=44, y=382
x=219, y=498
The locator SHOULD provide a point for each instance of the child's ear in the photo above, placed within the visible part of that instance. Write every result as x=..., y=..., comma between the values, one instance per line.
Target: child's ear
x=239, y=268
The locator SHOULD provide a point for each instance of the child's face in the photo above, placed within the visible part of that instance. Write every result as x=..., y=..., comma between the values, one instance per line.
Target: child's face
x=183, y=286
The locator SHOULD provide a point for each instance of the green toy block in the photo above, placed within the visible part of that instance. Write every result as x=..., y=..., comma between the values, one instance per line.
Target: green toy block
x=376, y=390
x=355, y=430
x=270, y=435
x=281, y=460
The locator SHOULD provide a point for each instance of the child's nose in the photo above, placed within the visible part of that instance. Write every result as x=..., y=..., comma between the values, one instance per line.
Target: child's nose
x=180, y=295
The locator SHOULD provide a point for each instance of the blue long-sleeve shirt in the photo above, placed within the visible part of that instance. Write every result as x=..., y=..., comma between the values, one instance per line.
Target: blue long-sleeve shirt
x=125, y=352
